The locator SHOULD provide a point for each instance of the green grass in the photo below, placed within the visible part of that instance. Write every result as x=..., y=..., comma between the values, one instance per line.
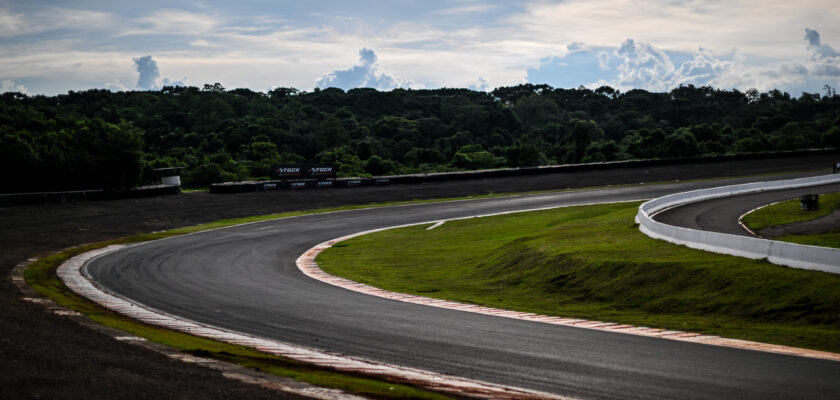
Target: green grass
x=592, y=262
x=788, y=212
x=830, y=239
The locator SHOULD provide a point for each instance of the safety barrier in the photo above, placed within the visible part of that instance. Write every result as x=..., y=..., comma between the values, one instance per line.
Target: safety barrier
x=240, y=187
x=782, y=253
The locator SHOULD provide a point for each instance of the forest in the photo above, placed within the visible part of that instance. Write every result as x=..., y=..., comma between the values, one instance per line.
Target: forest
x=100, y=139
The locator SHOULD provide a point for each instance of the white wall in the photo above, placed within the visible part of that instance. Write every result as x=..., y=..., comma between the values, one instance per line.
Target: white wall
x=782, y=253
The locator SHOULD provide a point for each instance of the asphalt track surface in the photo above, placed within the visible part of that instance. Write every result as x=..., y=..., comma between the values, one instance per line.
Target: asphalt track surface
x=244, y=278
x=721, y=215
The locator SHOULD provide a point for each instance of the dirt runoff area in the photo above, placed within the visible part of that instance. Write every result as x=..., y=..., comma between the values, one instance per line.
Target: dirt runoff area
x=43, y=355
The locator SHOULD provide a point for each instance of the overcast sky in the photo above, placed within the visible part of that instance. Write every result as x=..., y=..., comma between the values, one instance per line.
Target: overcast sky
x=50, y=47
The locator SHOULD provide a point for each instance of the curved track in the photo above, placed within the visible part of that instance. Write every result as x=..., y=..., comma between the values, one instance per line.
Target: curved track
x=244, y=278
x=721, y=215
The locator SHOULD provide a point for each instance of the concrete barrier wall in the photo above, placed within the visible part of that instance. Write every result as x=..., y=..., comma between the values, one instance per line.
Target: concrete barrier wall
x=782, y=253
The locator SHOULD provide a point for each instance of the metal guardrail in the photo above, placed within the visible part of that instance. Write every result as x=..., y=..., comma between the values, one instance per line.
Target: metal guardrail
x=781, y=253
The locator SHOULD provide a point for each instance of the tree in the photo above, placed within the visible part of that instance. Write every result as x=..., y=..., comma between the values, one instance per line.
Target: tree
x=583, y=134
x=215, y=88
x=524, y=155
x=377, y=166
x=680, y=144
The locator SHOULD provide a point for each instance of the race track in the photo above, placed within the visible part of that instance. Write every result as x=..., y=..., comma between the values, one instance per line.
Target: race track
x=245, y=278
x=721, y=215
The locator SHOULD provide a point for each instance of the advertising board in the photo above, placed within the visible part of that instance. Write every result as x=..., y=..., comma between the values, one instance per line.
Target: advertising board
x=287, y=172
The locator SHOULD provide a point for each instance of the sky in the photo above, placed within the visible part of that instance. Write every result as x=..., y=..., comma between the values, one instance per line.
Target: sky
x=51, y=47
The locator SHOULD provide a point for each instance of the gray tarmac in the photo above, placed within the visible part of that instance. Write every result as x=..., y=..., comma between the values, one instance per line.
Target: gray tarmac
x=721, y=215
x=244, y=278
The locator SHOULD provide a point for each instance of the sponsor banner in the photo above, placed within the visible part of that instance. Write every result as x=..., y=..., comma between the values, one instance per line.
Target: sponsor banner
x=297, y=185
x=320, y=184
x=321, y=171
x=287, y=171
x=383, y=181
x=290, y=172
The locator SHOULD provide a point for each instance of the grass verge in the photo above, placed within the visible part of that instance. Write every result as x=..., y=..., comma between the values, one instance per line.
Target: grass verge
x=592, y=262
x=41, y=276
x=788, y=212
x=830, y=239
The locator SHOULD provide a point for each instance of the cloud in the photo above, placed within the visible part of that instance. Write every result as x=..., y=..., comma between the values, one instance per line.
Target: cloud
x=10, y=86
x=481, y=86
x=804, y=75
x=116, y=86
x=466, y=9
x=643, y=65
x=818, y=50
x=636, y=64
x=177, y=22
x=53, y=19
x=10, y=24
x=181, y=82
x=149, y=73
x=367, y=74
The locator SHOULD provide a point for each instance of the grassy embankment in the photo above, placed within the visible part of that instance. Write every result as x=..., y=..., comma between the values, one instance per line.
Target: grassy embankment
x=592, y=262
x=788, y=212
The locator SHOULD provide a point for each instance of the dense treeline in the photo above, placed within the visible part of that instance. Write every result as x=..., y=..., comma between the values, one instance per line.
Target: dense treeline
x=97, y=138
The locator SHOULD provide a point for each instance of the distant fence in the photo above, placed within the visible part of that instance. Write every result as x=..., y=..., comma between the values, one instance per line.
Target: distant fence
x=782, y=253
x=266, y=186
x=251, y=186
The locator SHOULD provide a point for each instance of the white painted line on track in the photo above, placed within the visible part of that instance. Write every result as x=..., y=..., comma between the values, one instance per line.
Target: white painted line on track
x=306, y=263
x=743, y=225
x=439, y=223
x=72, y=272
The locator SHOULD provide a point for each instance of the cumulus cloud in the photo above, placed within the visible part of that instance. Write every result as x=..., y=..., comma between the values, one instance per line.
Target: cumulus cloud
x=367, y=74
x=642, y=65
x=805, y=75
x=818, y=50
x=10, y=86
x=116, y=86
x=149, y=73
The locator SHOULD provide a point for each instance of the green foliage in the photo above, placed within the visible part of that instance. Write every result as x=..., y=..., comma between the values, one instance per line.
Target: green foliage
x=475, y=157
x=377, y=166
x=95, y=138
